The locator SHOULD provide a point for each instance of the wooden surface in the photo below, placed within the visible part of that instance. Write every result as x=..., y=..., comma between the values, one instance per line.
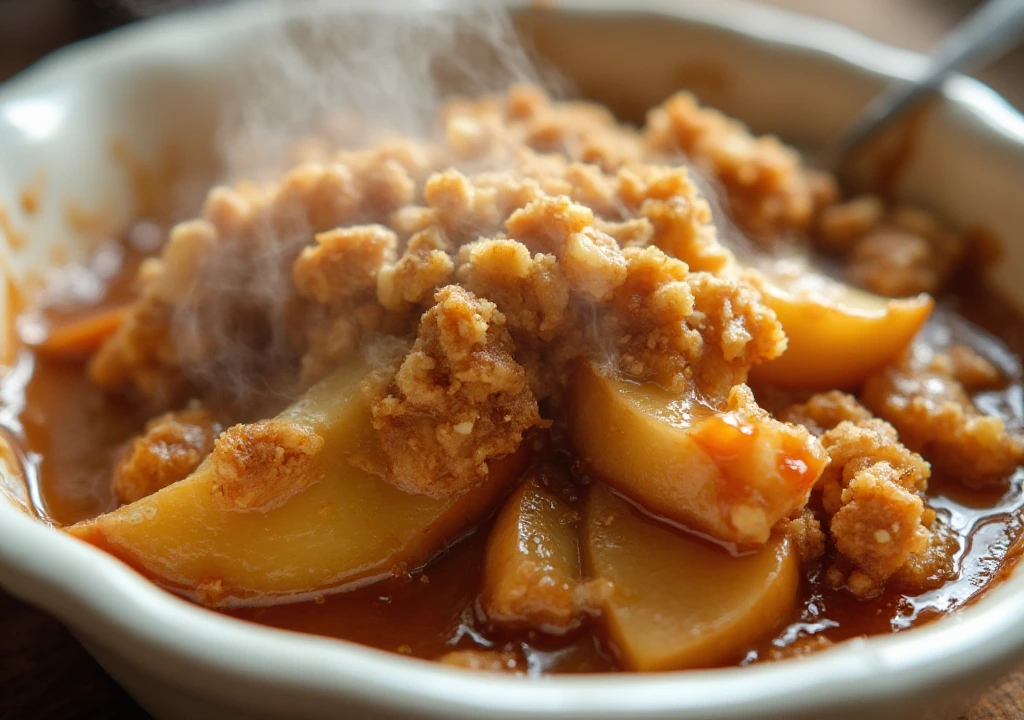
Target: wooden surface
x=45, y=673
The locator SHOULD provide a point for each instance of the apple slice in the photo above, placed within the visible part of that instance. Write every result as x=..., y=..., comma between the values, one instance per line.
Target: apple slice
x=679, y=602
x=349, y=527
x=731, y=474
x=838, y=335
x=532, y=566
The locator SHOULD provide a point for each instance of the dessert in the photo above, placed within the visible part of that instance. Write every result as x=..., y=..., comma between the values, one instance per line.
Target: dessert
x=503, y=398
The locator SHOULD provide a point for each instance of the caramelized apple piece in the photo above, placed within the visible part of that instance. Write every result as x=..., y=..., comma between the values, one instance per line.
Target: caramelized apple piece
x=80, y=338
x=532, y=568
x=679, y=602
x=732, y=474
x=838, y=335
x=348, y=527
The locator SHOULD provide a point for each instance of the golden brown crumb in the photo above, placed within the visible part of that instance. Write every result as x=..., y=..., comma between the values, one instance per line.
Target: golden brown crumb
x=893, y=263
x=934, y=565
x=458, y=400
x=806, y=534
x=871, y=491
x=648, y=323
x=424, y=266
x=339, y=279
x=855, y=446
x=687, y=329
x=878, y=525
x=823, y=411
x=936, y=417
x=245, y=231
x=259, y=466
x=731, y=315
x=531, y=291
x=872, y=494
x=636, y=232
x=679, y=218
x=770, y=192
x=972, y=370
x=842, y=224
x=897, y=252
x=546, y=224
x=172, y=447
x=486, y=660
x=343, y=263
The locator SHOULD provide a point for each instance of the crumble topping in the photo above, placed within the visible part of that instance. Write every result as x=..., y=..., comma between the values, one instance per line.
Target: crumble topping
x=770, y=192
x=259, y=466
x=872, y=494
x=895, y=251
x=171, y=447
x=935, y=416
x=458, y=399
x=528, y=234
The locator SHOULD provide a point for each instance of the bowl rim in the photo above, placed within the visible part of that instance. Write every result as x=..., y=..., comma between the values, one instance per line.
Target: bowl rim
x=101, y=597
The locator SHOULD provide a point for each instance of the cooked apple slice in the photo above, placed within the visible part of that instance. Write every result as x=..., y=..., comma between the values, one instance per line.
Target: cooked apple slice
x=347, y=528
x=532, y=566
x=838, y=335
x=80, y=338
x=678, y=602
x=731, y=474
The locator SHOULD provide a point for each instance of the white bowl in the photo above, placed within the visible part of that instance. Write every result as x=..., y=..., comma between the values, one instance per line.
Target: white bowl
x=791, y=75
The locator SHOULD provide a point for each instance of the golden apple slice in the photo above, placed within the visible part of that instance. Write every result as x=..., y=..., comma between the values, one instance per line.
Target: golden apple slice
x=679, y=602
x=732, y=475
x=838, y=335
x=532, y=566
x=349, y=527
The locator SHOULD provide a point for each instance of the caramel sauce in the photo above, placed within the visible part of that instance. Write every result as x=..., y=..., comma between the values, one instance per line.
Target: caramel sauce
x=71, y=433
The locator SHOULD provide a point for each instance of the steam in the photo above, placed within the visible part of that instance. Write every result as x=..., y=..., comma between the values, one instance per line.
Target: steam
x=350, y=70
x=346, y=73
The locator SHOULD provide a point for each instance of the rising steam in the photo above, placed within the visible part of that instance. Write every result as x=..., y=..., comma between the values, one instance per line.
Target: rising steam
x=350, y=72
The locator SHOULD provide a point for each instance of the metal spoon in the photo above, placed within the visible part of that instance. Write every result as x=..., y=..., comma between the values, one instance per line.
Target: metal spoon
x=984, y=35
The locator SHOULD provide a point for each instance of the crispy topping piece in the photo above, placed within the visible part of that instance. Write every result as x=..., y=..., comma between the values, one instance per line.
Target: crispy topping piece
x=770, y=192
x=895, y=252
x=458, y=399
x=936, y=416
x=872, y=493
x=261, y=465
x=172, y=447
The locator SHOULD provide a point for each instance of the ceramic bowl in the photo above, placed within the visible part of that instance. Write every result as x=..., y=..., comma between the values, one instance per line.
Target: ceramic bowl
x=164, y=81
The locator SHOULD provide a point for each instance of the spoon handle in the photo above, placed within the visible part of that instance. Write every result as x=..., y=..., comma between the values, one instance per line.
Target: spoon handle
x=984, y=35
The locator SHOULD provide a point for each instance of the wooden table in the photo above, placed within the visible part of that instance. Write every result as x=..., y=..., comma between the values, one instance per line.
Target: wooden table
x=45, y=673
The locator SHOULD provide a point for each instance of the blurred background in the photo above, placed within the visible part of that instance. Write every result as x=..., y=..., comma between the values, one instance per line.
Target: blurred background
x=31, y=28
x=44, y=672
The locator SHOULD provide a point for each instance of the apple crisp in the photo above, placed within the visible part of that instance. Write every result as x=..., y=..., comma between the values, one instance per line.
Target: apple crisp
x=504, y=396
